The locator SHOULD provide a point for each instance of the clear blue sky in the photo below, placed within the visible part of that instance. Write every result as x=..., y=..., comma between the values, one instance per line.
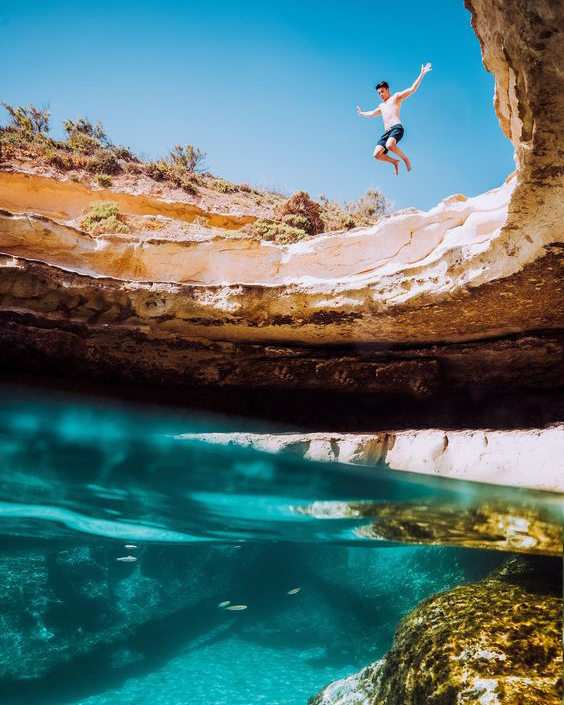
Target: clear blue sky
x=268, y=89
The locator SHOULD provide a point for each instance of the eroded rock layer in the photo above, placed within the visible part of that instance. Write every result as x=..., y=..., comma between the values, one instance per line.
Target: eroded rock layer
x=467, y=296
x=531, y=458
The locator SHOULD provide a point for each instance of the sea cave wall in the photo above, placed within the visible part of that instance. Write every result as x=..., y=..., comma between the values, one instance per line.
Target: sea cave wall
x=464, y=298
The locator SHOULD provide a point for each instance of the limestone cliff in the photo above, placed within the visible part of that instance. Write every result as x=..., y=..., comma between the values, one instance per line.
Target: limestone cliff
x=467, y=296
x=531, y=458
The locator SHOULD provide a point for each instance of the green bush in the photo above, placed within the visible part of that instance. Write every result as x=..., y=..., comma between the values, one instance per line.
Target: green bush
x=103, y=161
x=269, y=230
x=103, y=180
x=174, y=173
x=223, y=186
x=82, y=143
x=59, y=159
x=85, y=127
x=103, y=217
x=27, y=121
x=296, y=221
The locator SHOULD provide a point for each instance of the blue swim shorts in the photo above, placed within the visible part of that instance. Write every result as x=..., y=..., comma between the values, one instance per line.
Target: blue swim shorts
x=395, y=131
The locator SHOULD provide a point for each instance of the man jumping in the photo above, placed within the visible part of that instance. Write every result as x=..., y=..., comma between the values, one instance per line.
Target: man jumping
x=390, y=112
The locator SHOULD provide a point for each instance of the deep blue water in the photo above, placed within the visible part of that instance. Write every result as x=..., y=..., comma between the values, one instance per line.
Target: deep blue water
x=85, y=485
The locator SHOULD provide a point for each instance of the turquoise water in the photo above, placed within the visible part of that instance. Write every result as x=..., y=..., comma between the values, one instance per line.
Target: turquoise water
x=121, y=541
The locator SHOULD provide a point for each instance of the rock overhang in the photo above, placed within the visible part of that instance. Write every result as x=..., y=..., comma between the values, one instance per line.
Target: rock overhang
x=471, y=269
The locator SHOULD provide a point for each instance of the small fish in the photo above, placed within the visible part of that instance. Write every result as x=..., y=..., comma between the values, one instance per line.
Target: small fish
x=126, y=559
x=236, y=608
x=130, y=545
x=224, y=604
x=293, y=592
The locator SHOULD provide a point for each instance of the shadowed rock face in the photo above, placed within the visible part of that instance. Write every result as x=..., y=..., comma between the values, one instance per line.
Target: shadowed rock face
x=497, y=641
x=466, y=297
x=61, y=605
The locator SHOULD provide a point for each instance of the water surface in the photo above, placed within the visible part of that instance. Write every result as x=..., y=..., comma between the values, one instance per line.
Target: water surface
x=120, y=541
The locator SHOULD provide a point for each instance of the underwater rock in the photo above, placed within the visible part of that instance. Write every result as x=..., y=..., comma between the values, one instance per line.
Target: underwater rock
x=497, y=641
x=62, y=605
x=484, y=525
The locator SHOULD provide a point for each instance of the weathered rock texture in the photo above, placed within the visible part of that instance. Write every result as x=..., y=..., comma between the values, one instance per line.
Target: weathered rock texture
x=61, y=605
x=470, y=291
x=533, y=458
x=496, y=642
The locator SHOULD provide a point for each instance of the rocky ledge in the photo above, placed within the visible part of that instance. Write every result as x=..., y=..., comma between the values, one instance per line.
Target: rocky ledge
x=495, y=642
x=465, y=298
x=530, y=458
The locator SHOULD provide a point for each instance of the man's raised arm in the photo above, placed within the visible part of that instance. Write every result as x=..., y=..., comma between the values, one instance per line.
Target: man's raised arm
x=369, y=113
x=408, y=91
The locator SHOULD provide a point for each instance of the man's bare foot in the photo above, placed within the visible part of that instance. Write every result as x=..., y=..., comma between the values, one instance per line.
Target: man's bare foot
x=407, y=164
x=396, y=166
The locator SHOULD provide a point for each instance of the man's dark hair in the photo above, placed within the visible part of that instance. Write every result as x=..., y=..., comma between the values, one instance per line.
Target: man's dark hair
x=382, y=84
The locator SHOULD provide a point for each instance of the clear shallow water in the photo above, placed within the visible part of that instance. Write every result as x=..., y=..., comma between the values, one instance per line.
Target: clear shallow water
x=81, y=480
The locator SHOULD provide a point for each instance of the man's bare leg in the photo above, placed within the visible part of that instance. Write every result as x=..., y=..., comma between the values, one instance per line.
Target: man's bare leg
x=396, y=150
x=379, y=154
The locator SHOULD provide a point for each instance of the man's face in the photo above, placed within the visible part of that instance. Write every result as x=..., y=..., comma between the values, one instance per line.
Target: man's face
x=384, y=93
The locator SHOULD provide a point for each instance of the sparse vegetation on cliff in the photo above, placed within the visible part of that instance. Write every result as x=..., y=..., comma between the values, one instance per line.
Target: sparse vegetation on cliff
x=86, y=147
x=272, y=231
x=103, y=217
x=103, y=180
x=299, y=217
x=300, y=211
x=295, y=219
x=91, y=156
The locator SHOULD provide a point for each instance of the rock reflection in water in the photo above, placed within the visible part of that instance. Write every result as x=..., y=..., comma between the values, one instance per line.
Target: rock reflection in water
x=485, y=526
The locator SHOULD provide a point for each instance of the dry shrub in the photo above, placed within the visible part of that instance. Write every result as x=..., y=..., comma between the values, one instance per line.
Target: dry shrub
x=370, y=206
x=188, y=157
x=133, y=168
x=300, y=204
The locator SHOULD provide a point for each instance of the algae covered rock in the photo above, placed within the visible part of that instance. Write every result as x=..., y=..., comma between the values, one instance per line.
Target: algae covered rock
x=497, y=641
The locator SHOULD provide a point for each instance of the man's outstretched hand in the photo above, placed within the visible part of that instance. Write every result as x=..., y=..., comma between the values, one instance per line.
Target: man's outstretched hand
x=425, y=68
x=358, y=110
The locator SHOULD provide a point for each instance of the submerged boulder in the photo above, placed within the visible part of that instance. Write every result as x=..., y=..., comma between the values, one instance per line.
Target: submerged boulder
x=494, y=642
